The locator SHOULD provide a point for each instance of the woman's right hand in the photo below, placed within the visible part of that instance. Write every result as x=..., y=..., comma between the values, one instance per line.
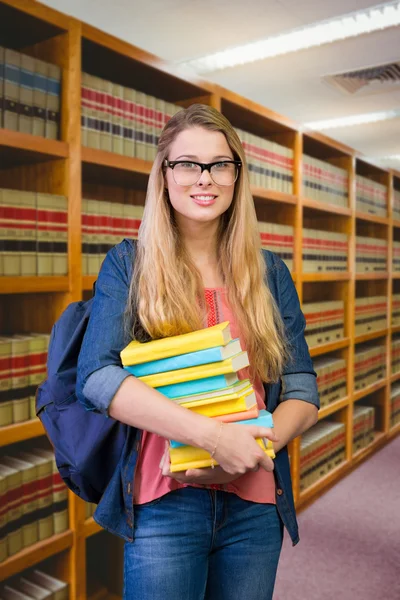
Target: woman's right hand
x=237, y=450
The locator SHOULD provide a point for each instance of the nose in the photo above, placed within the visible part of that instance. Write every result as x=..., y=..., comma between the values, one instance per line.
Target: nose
x=205, y=178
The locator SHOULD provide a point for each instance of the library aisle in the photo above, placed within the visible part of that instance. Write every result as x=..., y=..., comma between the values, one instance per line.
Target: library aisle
x=356, y=552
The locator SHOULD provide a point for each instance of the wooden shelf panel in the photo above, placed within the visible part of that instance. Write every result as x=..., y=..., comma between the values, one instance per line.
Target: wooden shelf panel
x=369, y=390
x=360, y=339
x=395, y=275
x=29, y=23
x=362, y=454
x=108, y=168
x=325, y=348
x=325, y=276
x=394, y=377
x=396, y=223
x=113, y=59
x=334, y=407
x=22, y=148
x=34, y=554
x=21, y=431
x=325, y=207
x=90, y=527
x=88, y=281
x=30, y=285
x=372, y=218
x=371, y=276
x=273, y=195
x=323, y=147
x=318, y=487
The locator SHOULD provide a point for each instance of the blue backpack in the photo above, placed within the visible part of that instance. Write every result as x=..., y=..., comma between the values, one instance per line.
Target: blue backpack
x=87, y=444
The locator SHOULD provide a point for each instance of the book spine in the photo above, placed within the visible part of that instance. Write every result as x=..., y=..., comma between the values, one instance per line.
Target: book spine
x=39, y=98
x=53, y=101
x=2, y=67
x=12, y=74
x=200, y=386
x=26, y=94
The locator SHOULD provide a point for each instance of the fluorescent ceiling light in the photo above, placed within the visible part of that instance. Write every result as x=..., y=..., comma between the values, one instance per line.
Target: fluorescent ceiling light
x=325, y=32
x=354, y=120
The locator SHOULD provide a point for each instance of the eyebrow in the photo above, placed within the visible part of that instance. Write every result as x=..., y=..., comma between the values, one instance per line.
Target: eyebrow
x=195, y=158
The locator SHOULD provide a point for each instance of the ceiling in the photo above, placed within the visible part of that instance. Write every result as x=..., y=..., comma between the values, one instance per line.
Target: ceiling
x=292, y=85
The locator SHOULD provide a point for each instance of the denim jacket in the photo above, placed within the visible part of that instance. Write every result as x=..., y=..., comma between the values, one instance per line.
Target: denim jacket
x=106, y=337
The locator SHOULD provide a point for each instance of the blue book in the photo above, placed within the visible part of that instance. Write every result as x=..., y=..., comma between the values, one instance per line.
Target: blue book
x=183, y=361
x=264, y=419
x=198, y=386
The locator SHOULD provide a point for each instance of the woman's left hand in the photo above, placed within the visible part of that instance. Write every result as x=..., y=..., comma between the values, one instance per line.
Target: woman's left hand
x=200, y=476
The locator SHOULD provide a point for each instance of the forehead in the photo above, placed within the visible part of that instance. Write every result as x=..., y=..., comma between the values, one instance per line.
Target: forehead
x=201, y=143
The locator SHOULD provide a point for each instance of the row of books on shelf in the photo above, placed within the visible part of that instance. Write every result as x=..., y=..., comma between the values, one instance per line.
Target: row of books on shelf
x=121, y=119
x=395, y=405
x=370, y=314
x=371, y=197
x=331, y=379
x=30, y=94
x=199, y=371
x=396, y=204
x=270, y=164
x=33, y=499
x=33, y=233
x=325, y=182
x=105, y=224
x=22, y=368
x=278, y=239
x=322, y=448
x=369, y=365
x=324, y=321
x=371, y=254
x=324, y=251
x=34, y=584
x=395, y=362
x=395, y=309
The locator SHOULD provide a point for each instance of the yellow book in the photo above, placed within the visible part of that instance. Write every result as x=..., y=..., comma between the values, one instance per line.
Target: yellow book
x=189, y=457
x=231, y=392
x=215, y=409
x=210, y=337
x=222, y=367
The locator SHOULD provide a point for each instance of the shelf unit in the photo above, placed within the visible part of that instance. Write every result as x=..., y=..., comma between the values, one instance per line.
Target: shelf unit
x=65, y=167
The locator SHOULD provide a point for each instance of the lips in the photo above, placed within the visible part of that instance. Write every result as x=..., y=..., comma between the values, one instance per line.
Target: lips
x=204, y=199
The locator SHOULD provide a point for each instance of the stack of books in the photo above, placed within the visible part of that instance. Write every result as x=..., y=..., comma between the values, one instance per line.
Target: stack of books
x=199, y=371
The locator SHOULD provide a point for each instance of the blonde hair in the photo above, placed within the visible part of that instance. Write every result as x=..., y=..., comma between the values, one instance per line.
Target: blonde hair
x=166, y=295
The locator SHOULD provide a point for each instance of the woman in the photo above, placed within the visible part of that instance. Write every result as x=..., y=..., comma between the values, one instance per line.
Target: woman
x=205, y=533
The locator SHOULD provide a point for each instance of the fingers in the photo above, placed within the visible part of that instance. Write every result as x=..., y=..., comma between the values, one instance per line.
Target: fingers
x=266, y=462
x=266, y=432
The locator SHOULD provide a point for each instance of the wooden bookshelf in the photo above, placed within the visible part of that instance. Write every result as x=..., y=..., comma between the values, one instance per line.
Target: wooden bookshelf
x=68, y=168
x=30, y=285
x=11, y=434
x=90, y=527
x=34, y=554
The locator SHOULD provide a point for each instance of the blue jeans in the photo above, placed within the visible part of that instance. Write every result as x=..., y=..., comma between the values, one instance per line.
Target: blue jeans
x=199, y=544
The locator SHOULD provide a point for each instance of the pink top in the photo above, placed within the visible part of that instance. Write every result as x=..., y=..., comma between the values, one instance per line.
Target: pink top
x=150, y=484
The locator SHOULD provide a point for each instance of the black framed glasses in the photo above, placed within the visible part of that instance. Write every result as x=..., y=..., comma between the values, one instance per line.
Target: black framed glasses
x=187, y=172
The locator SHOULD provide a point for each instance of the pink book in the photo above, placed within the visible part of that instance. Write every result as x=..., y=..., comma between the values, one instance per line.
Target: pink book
x=251, y=413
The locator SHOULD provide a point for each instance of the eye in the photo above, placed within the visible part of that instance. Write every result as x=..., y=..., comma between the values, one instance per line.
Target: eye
x=222, y=166
x=187, y=165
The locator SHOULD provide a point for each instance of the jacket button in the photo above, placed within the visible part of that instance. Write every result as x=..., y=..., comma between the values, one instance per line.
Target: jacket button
x=279, y=492
x=129, y=488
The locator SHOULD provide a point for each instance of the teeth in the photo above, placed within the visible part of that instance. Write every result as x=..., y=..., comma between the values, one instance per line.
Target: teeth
x=204, y=197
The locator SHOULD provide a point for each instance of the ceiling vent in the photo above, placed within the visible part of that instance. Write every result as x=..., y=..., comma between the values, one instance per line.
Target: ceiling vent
x=373, y=80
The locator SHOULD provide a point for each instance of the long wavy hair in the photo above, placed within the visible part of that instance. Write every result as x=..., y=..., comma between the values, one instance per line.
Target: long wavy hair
x=166, y=295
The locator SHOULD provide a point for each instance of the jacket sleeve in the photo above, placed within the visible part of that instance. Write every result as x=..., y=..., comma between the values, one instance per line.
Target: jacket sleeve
x=299, y=378
x=106, y=334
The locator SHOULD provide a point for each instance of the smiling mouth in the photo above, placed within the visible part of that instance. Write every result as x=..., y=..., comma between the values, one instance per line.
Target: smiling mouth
x=204, y=198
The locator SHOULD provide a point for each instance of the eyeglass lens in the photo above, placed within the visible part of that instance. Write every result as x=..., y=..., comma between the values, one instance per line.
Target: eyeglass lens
x=189, y=173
